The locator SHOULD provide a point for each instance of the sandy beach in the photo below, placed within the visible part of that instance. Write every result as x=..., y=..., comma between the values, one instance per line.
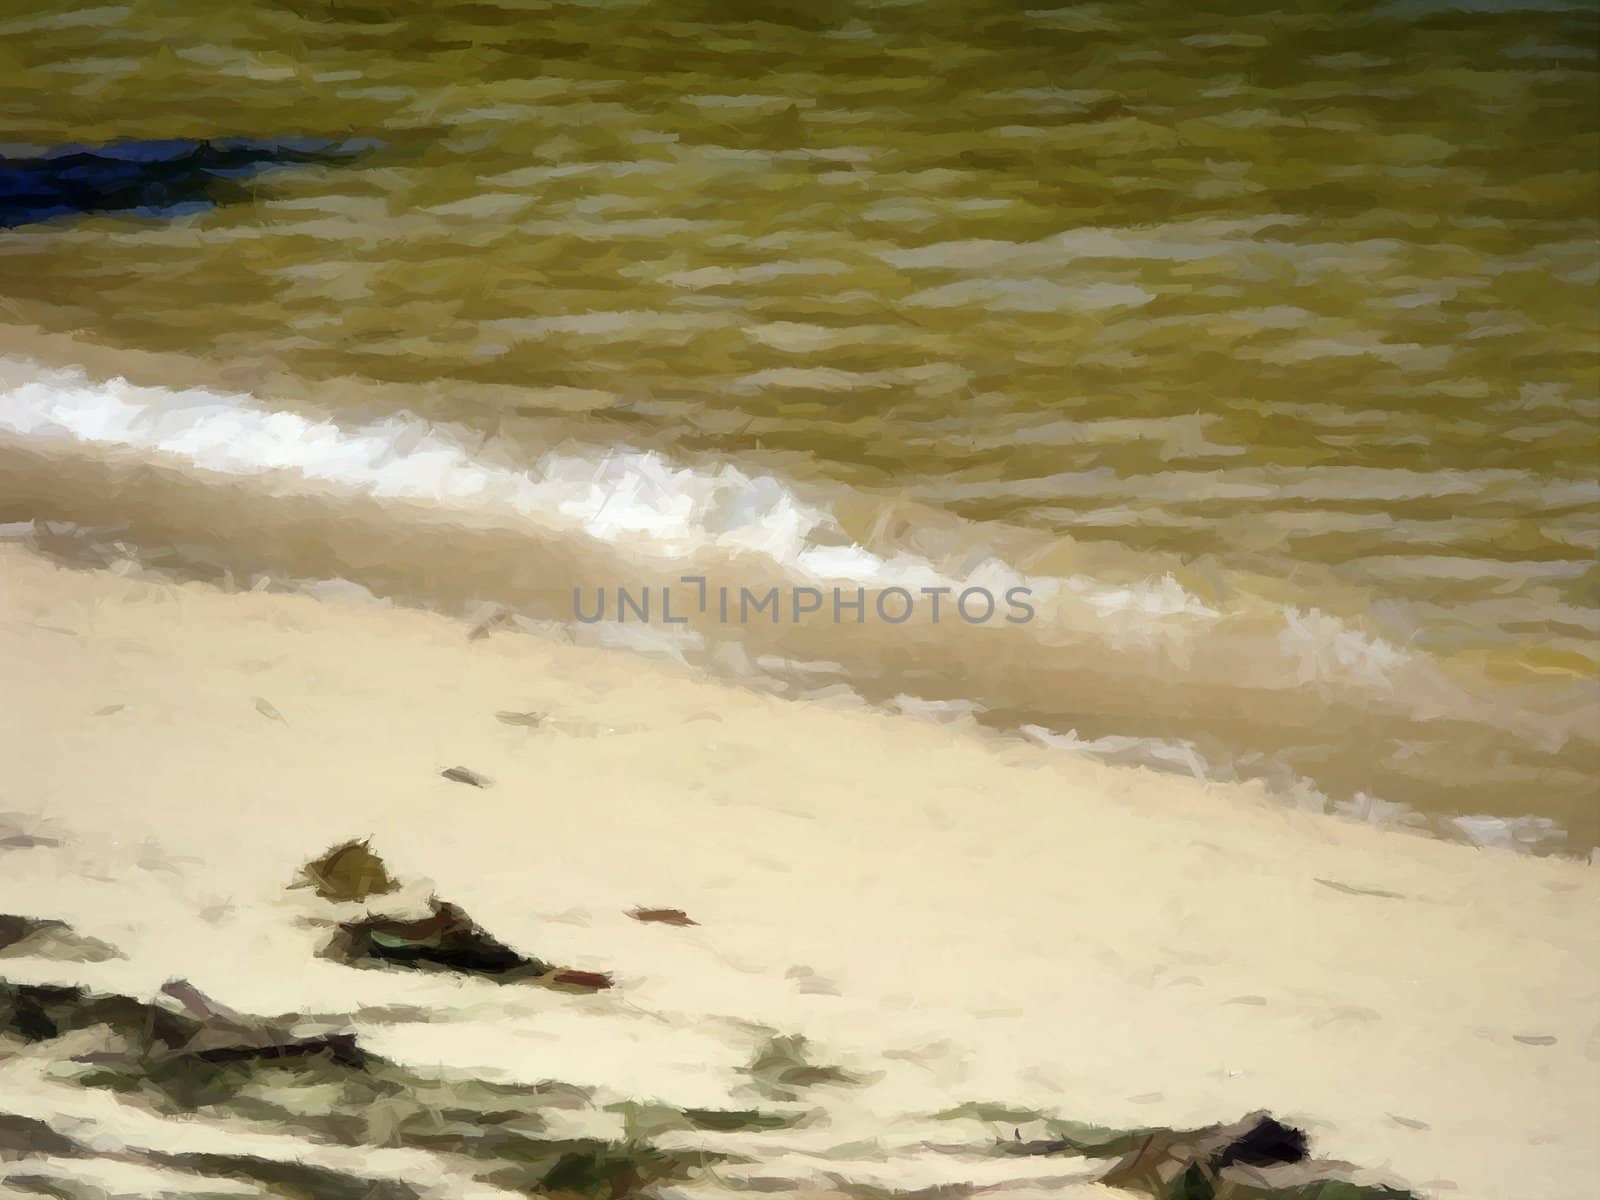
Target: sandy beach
x=860, y=600
x=947, y=917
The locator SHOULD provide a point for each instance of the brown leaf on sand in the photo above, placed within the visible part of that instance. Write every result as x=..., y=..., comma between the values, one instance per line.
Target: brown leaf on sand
x=662, y=916
x=588, y=981
x=466, y=775
x=349, y=871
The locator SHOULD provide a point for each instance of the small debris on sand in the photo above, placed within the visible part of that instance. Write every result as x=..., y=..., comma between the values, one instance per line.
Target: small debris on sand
x=1167, y=1160
x=19, y=831
x=527, y=720
x=1350, y=889
x=587, y=981
x=267, y=710
x=466, y=775
x=448, y=939
x=662, y=916
x=349, y=871
x=46, y=938
x=499, y=618
x=183, y=1023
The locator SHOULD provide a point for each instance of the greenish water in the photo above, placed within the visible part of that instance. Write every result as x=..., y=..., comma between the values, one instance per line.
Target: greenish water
x=1276, y=328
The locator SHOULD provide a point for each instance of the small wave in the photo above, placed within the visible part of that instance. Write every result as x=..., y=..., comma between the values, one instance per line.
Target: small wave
x=1526, y=834
x=1148, y=669
x=618, y=495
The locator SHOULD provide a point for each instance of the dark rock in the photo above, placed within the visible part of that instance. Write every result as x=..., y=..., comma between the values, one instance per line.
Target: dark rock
x=285, y=1177
x=1267, y=1142
x=449, y=940
x=782, y=1069
x=25, y=1015
x=51, y=939
x=190, y=1026
x=1187, y=1162
x=150, y=178
x=21, y=1136
x=445, y=938
x=14, y=929
x=222, y=1035
x=466, y=775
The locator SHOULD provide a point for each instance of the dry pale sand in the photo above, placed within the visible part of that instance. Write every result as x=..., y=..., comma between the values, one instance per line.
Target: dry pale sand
x=950, y=916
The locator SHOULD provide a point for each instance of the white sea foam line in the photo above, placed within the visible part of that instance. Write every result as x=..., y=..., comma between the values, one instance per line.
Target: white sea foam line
x=623, y=494
x=1164, y=753
x=626, y=492
x=1523, y=833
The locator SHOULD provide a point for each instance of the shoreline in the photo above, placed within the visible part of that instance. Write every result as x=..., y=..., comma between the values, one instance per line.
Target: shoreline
x=729, y=662
x=1090, y=941
x=1314, y=692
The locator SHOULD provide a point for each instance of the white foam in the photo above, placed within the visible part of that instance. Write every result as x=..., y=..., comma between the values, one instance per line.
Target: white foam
x=619, y=495
x=1510, y=833
x=624, y=494
x=656, y=506
x=1160, y=753
x=1524, y=834
x=1328, y=649
x=1163, y=597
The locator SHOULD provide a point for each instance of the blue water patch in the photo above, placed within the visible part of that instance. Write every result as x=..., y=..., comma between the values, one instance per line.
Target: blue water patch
x=161, y=178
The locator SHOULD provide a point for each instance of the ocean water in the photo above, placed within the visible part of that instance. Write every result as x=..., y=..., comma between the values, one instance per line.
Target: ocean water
x=1259, y=348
